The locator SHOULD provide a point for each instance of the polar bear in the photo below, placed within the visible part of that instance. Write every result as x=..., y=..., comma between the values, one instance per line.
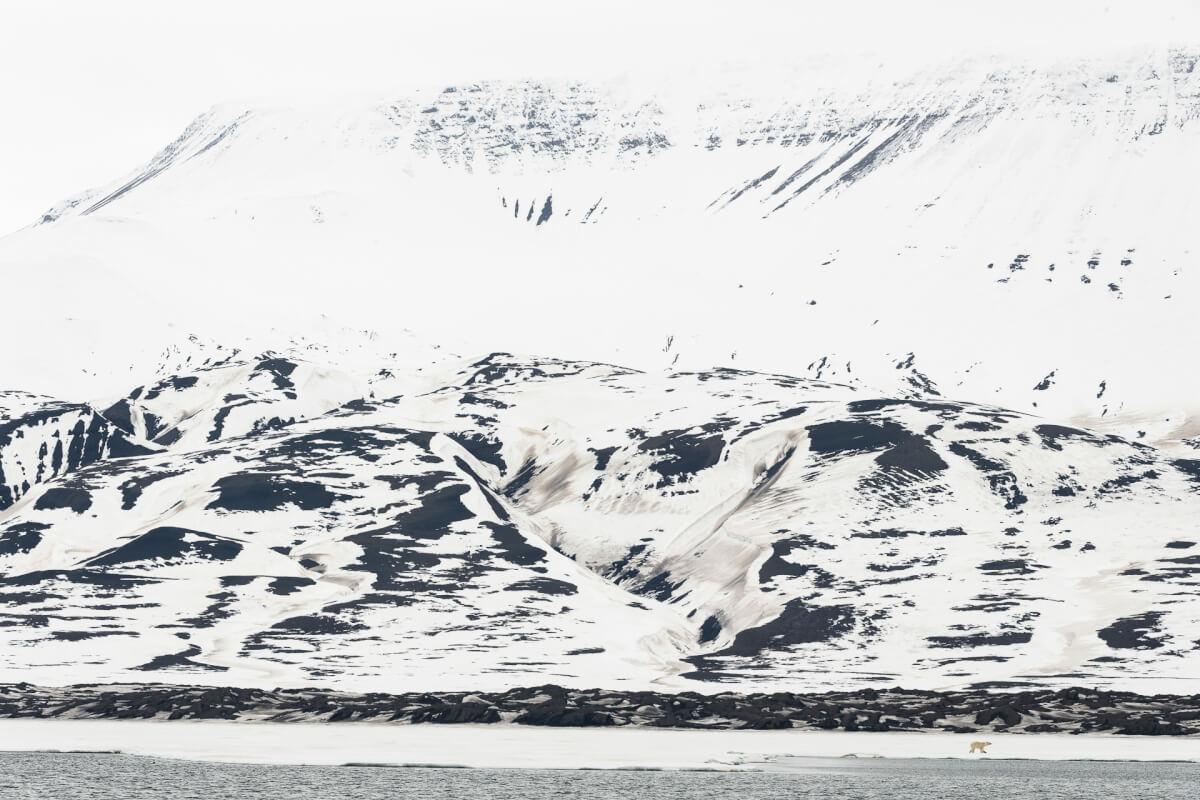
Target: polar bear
x=979, y=746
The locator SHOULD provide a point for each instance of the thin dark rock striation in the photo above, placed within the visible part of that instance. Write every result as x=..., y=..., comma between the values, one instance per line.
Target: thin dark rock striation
x=1073, y=710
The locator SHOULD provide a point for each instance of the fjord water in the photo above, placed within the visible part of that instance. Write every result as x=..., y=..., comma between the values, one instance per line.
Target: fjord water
x=100, y=776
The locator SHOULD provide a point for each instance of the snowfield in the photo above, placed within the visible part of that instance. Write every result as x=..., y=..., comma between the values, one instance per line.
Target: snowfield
x=514, y=746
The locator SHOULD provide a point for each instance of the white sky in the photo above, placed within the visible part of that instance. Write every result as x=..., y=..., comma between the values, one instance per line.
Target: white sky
x=89, y=90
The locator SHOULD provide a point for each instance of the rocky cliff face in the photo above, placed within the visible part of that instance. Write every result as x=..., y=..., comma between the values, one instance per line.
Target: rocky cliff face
x=42, y=439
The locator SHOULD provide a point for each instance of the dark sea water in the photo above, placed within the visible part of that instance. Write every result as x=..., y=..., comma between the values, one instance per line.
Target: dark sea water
x=91, y=776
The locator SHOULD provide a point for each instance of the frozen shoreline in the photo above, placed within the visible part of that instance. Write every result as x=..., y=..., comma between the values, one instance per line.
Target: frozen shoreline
x=518, y=746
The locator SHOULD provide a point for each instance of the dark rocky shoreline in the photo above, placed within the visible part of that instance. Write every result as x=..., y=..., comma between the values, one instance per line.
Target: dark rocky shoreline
x=1073, y=710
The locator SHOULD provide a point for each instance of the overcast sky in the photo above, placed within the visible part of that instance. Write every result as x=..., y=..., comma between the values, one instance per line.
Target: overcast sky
x=89, y=90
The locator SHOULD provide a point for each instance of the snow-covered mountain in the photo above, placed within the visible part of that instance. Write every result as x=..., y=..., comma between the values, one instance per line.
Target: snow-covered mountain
x=599, y=525
x=242, y=458
x=1011, y=232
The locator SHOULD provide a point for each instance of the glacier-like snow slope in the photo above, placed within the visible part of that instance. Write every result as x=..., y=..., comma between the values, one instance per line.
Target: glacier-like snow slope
x=1017, y=233
x=531, y=519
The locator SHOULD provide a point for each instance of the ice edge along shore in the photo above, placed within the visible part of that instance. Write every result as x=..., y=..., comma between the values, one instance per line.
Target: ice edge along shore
x=513, y=746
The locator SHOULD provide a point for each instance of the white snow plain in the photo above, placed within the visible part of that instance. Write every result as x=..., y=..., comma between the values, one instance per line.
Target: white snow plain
x=515, y=746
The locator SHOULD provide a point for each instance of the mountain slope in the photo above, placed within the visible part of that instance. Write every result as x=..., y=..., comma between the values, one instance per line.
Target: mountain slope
x=536, y=517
